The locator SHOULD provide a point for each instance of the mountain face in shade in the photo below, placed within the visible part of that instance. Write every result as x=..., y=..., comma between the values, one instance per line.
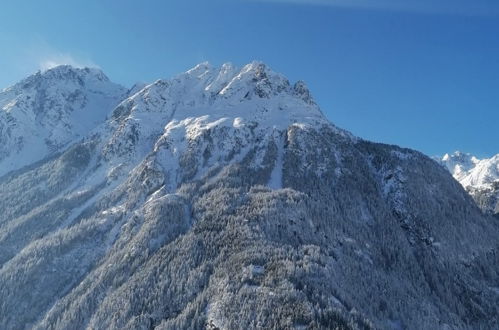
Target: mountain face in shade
x=223, y=198
x=480, y=177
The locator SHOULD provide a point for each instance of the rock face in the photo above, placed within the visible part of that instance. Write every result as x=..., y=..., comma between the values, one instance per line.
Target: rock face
x=223, y=198
x=480, y=177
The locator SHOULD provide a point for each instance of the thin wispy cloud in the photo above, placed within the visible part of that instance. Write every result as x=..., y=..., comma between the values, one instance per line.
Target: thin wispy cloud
x=55, y=59
x=44, y=56
x=449, y=7
x=38, y=55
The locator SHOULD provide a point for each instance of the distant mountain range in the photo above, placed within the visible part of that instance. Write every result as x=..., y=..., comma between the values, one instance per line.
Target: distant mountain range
x=223, y=198
x=480, y=177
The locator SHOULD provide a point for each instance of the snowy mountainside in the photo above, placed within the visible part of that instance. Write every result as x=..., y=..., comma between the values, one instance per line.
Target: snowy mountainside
x=48, y=110
x=223, y=198
x=208, y=116
x=238, y=107
x=480, y=177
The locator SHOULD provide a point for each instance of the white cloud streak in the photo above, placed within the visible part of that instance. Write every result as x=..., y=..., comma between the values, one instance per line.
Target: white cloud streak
x=448, y=7
x=56, y=58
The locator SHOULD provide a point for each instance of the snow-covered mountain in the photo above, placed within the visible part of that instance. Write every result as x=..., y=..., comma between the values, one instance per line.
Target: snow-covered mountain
x=480, y=177
x=48, y=110
x=223, y=198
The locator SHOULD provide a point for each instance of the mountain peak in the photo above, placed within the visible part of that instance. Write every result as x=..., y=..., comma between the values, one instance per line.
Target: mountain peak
x=458, y=156
x=200, y=69
x=301, y=90
x=480, y=177
x=64, y=75
x=253, y=91
x=48, y=110
x=215, y=179
x=66, y=70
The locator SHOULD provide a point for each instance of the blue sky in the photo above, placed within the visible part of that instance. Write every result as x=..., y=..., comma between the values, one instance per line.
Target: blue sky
x=420, y=74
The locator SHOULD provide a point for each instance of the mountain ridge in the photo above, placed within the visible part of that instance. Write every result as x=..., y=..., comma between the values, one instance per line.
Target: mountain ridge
x=223, y=198
x=480, y=177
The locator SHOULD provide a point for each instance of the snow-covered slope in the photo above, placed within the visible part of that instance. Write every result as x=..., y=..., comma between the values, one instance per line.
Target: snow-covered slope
x=239, y=109
x=48, y=110
x=480, y=177
x=223, y=198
